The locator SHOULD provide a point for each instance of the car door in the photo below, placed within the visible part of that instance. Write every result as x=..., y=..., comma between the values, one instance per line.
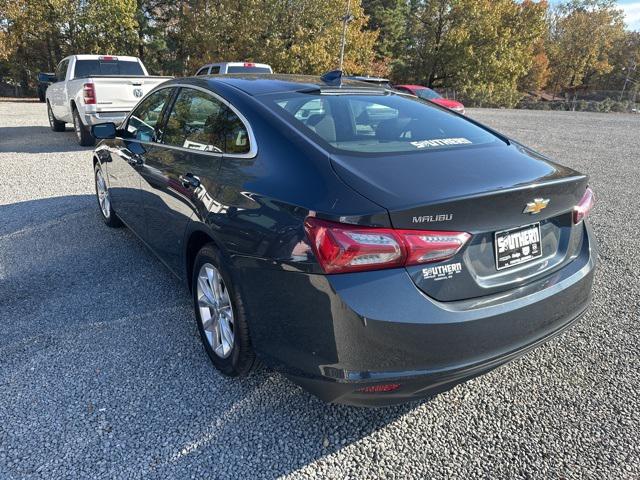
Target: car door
x=181, y=173
x=57, y=91
x=139, y=135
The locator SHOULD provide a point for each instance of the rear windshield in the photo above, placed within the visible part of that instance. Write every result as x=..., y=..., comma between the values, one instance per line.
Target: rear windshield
x=86, y=68
x=377, y=123
x=427, y=93
x=243, y=69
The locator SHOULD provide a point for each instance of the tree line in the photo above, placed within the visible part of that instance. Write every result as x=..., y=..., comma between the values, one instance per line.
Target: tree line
x=491, y=52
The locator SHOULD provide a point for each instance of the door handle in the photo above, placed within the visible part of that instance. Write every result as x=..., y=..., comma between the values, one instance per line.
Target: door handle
x=134, y=159
x=189, y=180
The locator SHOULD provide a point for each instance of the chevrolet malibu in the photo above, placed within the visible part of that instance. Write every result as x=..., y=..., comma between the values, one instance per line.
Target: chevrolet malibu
x=373, y=247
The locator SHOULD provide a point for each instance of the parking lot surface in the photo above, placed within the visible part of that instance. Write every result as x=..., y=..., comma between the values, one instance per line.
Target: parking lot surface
x=102, y=374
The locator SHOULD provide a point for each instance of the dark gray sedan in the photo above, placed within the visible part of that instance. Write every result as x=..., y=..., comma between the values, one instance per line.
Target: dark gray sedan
x=372, y=246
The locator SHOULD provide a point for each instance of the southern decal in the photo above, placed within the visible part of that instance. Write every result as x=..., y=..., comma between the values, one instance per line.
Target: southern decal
x=441, y=142
x=441, y=272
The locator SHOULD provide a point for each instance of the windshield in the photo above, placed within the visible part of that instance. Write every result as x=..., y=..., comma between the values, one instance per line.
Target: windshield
x=244, y=69
x=377, y=123
x=86, y=68
x=427, y=94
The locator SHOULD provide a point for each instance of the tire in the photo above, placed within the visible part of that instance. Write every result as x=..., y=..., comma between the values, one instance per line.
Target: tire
x=240, y=359
x=85, y=139
x=104, y=199
x=56, y=125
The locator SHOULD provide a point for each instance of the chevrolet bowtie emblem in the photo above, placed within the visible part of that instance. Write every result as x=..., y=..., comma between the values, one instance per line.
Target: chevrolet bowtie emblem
x=536, y=206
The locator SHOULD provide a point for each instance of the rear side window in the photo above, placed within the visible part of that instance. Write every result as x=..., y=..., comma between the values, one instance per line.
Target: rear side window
x=61, y=71
x=86, y=68
x=145, y=116
x=381, y=123
x=199, y=121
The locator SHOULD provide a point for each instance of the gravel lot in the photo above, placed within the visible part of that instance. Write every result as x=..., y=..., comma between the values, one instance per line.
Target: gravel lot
x=102, y=374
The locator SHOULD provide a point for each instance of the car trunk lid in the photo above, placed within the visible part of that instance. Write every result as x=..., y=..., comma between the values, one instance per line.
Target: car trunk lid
x=480, y=190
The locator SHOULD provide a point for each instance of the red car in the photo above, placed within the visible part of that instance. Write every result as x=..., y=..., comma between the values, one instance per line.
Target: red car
x=428, y=94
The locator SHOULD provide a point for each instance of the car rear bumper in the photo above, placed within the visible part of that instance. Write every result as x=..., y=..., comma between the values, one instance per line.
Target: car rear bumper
x=350, y=331
x=104, y=117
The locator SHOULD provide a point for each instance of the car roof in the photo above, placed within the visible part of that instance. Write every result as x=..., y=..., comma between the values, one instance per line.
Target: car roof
x=259, y=84
x=86, y=56
x=234, y=64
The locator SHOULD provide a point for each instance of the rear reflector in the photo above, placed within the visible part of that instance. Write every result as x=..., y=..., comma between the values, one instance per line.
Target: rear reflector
x=385, y=387
x=343, y=248
x=581, y=211
x=89, y=94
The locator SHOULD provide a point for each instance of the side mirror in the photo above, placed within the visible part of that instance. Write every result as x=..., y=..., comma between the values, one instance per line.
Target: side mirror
x=104, y=130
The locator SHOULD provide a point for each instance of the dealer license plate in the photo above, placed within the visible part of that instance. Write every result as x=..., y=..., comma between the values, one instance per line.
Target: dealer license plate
x=517, y=246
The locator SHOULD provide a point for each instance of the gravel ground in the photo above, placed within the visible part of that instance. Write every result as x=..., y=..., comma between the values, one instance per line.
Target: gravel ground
x=102, y=374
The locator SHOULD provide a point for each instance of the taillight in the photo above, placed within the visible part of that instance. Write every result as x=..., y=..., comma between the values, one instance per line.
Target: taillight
x=89, y=94
x=343, y=248
x=581, y=211
x=429, y=246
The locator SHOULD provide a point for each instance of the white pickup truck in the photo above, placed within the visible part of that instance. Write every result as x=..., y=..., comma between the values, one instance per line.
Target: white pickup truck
x=92, y=89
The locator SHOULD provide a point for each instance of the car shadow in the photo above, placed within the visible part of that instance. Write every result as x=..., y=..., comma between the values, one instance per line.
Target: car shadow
x=113, y=335
x=38, y=139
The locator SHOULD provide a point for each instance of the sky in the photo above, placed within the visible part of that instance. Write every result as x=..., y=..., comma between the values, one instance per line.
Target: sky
x=631, y=10
x=632, y=13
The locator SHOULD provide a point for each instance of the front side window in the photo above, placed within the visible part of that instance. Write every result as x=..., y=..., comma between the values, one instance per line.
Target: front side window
x=199, y=121
x=202, y=71
x=144, y=118
x=376, y=123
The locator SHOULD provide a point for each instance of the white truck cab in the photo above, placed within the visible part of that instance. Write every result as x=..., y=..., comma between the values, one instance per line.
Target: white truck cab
x=233, y=67
x=91, y=89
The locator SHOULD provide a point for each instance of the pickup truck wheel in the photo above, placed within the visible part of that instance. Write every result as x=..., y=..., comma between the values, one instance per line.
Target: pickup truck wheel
x=104, y=199
x=56, y=125
x=220, y=315
x=83, y=133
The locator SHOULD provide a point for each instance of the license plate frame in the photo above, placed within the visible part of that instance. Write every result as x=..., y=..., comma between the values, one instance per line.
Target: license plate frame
x=523, y=253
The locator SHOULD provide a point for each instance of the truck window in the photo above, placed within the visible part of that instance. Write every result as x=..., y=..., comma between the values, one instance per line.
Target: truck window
x=61, y=71
x=86, y=68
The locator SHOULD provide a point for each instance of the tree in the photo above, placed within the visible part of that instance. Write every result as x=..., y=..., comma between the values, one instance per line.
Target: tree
x=38, y=34
x=483, y=48
x=294, y=36
x=583, y=35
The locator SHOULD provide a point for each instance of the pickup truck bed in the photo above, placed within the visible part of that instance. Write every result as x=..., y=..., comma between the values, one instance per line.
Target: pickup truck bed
x=89, y=99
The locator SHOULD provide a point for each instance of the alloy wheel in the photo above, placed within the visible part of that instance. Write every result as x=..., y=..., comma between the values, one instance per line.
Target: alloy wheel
x=216, y=313
x=103, y=195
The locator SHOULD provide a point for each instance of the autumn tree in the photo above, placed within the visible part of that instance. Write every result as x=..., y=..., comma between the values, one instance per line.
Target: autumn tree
x=583, y=35
x=38, y=34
